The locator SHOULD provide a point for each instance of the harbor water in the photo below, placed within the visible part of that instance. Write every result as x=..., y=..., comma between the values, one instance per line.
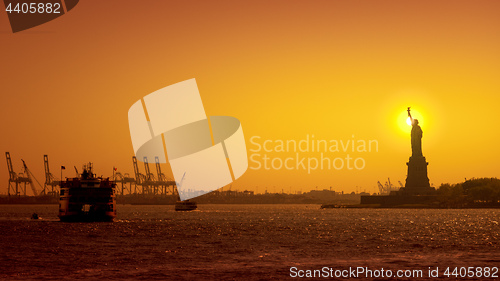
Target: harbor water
x=242, y=242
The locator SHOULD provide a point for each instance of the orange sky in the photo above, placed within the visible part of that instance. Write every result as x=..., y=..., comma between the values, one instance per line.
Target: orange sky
x=285, y=69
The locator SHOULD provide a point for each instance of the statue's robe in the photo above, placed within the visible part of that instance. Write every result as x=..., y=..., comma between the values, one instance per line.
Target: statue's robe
x=416, y=140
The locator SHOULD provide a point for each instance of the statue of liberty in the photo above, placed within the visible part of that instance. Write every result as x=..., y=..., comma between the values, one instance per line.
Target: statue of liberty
x=416, y=137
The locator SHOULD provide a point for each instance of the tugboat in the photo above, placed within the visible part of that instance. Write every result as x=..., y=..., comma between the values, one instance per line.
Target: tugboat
x=87, y=198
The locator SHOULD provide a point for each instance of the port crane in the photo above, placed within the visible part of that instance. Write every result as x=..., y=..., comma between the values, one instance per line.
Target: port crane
x=29, y=174
x=150, y=183
x=50, y=180
x=149, y=186
x=163, y=182
x=139, y=178
x=387, y=187
x=125, y=179
x=381, y=188
x=16, y=179
x=21, y=180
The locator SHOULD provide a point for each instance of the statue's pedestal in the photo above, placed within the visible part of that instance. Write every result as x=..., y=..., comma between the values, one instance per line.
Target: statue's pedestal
x=417, y=182
x=417, y=190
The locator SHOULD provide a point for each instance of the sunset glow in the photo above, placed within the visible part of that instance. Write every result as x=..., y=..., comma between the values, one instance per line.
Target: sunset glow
x=285, y=69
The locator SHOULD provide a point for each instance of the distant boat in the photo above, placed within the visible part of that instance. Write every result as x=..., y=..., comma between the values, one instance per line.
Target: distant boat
x=185, y=205
x=87, y=198
x=330, y=206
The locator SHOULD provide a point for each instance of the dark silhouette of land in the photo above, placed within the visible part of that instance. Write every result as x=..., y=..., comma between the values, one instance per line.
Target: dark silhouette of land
x=472, y=193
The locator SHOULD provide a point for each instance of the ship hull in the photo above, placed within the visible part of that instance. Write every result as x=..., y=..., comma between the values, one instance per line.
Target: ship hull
x=87, y=218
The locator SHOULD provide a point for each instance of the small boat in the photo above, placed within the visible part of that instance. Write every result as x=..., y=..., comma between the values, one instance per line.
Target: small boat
x=87, y=198
x=331, y=206
x=185, y=205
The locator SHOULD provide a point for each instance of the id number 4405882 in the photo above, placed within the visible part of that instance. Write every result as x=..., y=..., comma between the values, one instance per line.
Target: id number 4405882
x=477, y=272
x=34, y=8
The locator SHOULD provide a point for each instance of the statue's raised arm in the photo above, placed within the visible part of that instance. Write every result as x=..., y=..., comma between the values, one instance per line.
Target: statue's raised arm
x=409, y=115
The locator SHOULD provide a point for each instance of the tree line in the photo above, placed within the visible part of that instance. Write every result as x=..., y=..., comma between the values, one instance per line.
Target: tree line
x=475, y=192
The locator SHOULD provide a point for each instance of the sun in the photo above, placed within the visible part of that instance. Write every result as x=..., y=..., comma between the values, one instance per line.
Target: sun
x=404, y=122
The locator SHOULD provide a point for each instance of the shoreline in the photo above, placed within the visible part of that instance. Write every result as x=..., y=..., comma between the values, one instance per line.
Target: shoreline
x=403, y=206
x=320, y=206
